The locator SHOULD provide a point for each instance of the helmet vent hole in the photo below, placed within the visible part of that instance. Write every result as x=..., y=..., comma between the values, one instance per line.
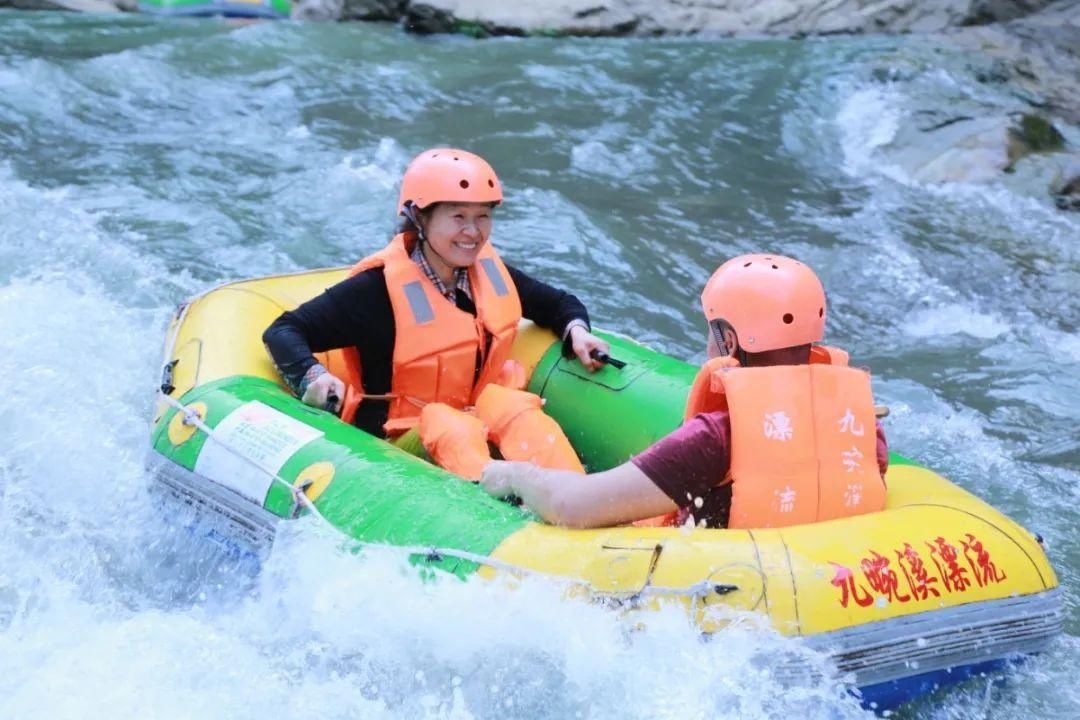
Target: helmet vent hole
x=775, y=267
x=464, y=184
x=788, y=317
x=747, y=264
x=491, y=183
x=455, y=159
x=821, y=312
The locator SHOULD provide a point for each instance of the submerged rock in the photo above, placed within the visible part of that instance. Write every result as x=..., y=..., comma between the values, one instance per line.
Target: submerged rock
x=373, y=9
x=1034, y=134
x=1066, y=187
x=963, y=149
x=329, y=10
x=496, y=17
x=934, y=148
x=317, y=10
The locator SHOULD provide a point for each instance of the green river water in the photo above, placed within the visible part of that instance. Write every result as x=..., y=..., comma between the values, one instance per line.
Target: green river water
x=142, y=161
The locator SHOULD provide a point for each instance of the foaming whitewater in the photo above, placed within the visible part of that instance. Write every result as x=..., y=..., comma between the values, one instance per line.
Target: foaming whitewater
x=145, y=161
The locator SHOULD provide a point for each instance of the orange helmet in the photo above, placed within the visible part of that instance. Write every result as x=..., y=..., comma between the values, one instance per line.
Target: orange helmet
x=771, y=302
x=448, y=175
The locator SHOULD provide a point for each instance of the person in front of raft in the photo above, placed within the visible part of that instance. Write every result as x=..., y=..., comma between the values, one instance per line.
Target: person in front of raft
x=427, y=324
x=779, y=431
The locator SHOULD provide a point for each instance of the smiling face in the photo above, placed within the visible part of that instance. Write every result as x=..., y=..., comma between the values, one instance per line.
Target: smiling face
x=457, y=231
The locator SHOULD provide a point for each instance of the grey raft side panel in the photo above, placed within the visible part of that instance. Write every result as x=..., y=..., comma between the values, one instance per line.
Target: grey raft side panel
x=944, y=638
x=251, y=526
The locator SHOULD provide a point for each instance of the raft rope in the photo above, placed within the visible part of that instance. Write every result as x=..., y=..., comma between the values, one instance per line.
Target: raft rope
x=698, y=591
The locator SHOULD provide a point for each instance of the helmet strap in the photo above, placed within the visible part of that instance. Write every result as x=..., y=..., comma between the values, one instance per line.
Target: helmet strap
x=435, y=252
x=722, y=332
x=411, y=212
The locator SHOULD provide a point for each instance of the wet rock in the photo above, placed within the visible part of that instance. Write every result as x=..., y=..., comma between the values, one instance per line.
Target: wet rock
x=1066, y=188
x=681, y=17
x=1035, y=134
x=896, y=70
x=984, y=12
x=424, y=19
x=962, y=150
x=994, y=72
x=391, y=10
x=317, y=10
x=329, y=10
x=497, y=17
x=1038, y=56
x=967, y=149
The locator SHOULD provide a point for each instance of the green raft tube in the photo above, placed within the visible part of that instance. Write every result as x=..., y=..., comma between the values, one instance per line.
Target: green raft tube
x=935, y=588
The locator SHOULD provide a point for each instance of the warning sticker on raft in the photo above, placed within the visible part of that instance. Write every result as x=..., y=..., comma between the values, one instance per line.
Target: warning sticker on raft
x=929, y=569
x=259, y=433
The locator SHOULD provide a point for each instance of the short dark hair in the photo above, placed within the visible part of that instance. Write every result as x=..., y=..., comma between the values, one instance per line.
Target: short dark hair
x=406, y=225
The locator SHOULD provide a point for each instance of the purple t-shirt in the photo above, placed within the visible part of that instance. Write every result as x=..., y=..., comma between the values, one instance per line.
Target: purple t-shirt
x=688, y=464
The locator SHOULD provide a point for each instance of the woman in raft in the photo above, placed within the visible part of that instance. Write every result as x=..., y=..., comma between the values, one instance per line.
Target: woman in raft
x=427, y=324
x=779, y=431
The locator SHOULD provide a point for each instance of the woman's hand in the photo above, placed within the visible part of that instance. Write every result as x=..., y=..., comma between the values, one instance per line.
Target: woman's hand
x=324, y=392
x=584, y=342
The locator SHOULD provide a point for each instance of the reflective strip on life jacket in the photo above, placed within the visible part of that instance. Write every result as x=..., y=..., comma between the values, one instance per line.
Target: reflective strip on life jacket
x=494, y=277
x=418, y=303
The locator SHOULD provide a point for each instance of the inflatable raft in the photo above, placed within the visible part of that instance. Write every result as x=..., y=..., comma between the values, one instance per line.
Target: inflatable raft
x=937, y=587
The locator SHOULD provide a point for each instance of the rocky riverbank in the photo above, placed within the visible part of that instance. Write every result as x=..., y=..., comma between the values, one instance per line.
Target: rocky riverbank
x=1029, y=47
x=1027, y=134
x=675, y=17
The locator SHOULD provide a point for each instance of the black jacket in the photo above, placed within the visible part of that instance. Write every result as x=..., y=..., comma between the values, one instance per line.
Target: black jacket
x=357, y=312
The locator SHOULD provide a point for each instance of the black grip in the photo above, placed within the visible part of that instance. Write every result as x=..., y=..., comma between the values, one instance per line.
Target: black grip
x=603, y=357
x=167, y=386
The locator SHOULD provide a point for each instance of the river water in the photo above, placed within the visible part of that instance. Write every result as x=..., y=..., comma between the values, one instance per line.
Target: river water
x=142, y=161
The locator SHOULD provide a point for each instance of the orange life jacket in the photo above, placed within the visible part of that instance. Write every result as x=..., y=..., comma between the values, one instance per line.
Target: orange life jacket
x=803, y=439
x=435, y=343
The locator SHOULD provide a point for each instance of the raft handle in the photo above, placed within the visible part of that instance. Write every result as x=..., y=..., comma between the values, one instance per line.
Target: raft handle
x=167, y=386
x=602, y=357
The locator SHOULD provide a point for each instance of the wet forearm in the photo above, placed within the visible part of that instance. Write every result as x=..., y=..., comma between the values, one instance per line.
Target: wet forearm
x=545, y=493
x=289, y=349
x=613, y=497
